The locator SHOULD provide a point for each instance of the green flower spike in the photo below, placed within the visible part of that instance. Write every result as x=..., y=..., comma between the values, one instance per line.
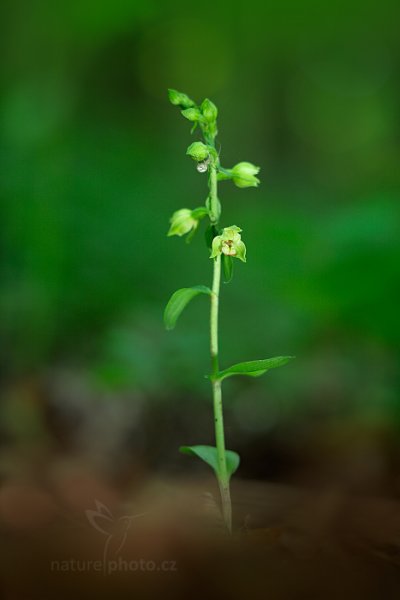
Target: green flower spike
x=229, y=243
x=244, y=175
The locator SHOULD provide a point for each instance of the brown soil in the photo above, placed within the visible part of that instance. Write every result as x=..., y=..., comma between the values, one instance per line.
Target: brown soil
x=288, y=543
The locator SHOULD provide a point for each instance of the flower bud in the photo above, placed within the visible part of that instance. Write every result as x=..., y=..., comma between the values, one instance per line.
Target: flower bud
x=192, y=114
x=209, y=110
x=229, y=243
x=178, y=99
x=244, y=175
x=182, y=221
x=198, y=151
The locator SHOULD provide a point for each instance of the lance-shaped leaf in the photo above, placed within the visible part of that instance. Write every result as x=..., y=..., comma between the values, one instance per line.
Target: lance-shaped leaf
x=210, y=456
x=255, y=368
x=179, y=300
x=227, y=264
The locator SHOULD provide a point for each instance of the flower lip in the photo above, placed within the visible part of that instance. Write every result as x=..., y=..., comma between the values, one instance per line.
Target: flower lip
x=228, y=248
x=202, y=166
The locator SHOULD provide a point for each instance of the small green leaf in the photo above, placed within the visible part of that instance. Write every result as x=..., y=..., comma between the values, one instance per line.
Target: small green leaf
x=255, y=368
x=209, y=455
x=227, y=264
x=179, y=300
x=210, y=234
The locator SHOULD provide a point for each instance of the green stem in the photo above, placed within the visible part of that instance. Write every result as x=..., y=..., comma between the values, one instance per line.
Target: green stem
x=215, y=208
x=222, y=475
x=214, y=316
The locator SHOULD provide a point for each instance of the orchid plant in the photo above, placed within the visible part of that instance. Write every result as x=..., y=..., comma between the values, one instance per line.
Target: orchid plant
x=225, y=244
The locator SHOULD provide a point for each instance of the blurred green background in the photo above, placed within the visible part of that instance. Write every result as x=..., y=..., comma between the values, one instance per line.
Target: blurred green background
x=92, y=166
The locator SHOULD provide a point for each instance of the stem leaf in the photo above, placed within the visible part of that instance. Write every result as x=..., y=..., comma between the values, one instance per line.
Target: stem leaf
x=227, y=264
x=255, y=368
x=209, y=455
x=178, y=302
x=210, y=234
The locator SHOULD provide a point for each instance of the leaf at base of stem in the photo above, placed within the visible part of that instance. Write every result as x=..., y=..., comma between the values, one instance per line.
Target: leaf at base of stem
x=209, y=455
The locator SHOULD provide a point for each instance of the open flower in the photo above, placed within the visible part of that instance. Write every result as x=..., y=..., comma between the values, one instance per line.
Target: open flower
x=244, y=175
x=182, y=221
x=229, y=243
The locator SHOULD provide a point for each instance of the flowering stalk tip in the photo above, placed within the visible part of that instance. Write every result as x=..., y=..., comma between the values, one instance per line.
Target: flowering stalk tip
x=178, y=99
